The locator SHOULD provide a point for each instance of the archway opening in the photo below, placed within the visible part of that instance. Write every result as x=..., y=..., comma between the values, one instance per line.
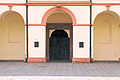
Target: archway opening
x=59, y=45
x=106, y=37
x=12, y=42
x=59, y=36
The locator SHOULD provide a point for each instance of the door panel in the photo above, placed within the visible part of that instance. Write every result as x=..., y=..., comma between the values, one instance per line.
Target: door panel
x=59, y=48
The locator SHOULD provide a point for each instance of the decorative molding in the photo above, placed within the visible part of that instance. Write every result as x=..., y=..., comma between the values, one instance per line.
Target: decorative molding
x=36, y=60
x=82, y=60
x=60, y=3
x=82, y=25
x=61, y=8
x=13, y=4
x=10, y=7
x=105, y=4
x=46, y=25
x=108, y=7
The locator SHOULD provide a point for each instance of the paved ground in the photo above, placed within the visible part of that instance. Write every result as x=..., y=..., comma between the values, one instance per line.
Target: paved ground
x=97, y=69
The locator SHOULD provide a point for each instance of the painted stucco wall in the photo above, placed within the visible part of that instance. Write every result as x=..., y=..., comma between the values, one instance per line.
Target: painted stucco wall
x=80, y=34
x=12, y=36
x=37, y=34
x=81, y=13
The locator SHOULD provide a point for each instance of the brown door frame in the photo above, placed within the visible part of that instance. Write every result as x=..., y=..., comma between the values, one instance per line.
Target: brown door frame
x=47, y=41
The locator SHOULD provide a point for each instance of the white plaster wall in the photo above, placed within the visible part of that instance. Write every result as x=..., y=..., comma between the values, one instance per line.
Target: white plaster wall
x=37, y=33
x=12, y=1
x=106, y=1
x=80, y=34
x=3, y=9
x=81, y=13
x=115, y=9
x=36, y=13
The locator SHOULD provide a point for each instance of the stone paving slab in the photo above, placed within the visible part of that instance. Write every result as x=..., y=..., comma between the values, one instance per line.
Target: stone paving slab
x=67, y=69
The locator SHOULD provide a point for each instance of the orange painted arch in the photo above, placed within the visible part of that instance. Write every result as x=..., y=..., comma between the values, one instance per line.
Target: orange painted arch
x=43, y=22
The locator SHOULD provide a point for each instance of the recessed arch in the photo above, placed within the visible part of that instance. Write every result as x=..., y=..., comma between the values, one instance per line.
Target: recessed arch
x=106, y=36
x=13, y=36
x=56, y=8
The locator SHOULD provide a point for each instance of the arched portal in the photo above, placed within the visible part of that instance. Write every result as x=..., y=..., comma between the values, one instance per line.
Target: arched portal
x=59, y=23
x=106, y=36
x=12, y=37
x=59, y=45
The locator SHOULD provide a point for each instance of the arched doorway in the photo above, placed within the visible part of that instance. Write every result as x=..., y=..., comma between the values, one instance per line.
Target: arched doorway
x=59, y=45
x=12, y=36
x=106, y=37
x=59, y=23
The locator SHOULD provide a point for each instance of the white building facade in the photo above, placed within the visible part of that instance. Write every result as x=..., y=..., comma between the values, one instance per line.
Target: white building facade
x=60, y=30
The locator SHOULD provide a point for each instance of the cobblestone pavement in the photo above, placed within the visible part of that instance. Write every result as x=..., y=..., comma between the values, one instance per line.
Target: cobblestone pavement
x=97, y=69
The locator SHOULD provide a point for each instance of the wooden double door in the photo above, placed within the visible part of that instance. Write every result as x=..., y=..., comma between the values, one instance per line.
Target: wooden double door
x=59, y=48
x=59, y=42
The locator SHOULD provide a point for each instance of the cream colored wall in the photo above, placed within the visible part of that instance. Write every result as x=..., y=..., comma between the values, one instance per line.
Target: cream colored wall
x=37, y=33
x=59, y=16
x=80, y=34
x=12, y=37
x=106, y=37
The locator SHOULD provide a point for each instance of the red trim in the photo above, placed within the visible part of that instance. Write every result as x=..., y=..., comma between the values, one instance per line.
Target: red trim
x=108, y=7
x=59, y=1
x=36, y=60
x=58, y=8
x=13, y=4
x=36, y=25
x=105, y=4
x=24, y=59
x=73, y=25
x=10, y=7
x=62, y=3
x=82, y=60
x=119, y=59
x=82, y=25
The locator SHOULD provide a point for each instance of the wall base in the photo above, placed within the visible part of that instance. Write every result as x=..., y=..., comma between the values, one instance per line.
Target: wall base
x=82, y=60
x=119, y=59
x=36, y=60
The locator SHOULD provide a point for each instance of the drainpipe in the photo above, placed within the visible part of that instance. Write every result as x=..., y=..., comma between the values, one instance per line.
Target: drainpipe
x=91, y=31
x=27, y=30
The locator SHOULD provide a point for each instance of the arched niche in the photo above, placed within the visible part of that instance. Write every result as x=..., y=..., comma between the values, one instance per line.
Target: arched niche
x=12, y=37
x=106, y=36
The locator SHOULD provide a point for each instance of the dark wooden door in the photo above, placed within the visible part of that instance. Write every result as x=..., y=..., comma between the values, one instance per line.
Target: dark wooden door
x=59, y=48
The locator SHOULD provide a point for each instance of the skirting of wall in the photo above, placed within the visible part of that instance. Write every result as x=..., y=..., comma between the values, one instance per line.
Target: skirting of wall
x=119, y=59
x=82, y=60
x=36, y=60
